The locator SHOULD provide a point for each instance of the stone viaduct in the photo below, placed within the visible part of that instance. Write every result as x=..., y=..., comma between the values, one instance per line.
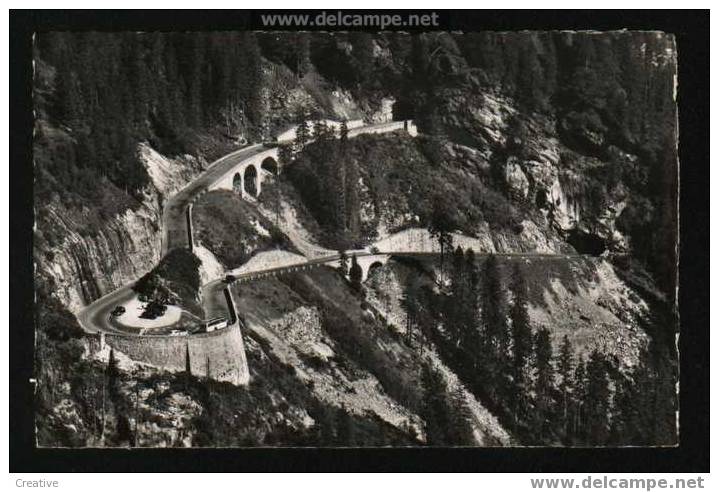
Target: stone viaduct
x=220, y=354
x=248, y=175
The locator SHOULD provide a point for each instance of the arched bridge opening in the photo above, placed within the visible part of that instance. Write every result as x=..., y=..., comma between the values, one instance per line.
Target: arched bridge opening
x=237, y=183
x=374, y=266
x=250, y=179
x=270, y=165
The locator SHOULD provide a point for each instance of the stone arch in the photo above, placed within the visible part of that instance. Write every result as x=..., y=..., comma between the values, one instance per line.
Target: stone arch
x=374, y=265
x=541, y=199
x=251, y=180
x=237, y=183
x=270, y=165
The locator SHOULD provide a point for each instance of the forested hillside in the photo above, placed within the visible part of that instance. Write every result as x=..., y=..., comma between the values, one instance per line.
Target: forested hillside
x=552, y=142
x=604, y=96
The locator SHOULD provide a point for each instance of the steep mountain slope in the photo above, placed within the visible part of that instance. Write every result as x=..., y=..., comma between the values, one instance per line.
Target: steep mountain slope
x=529, y=141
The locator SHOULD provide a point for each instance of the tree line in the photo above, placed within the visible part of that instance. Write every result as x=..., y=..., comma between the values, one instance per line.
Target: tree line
x=481, y=325
x=112, y=90
x=327, y=180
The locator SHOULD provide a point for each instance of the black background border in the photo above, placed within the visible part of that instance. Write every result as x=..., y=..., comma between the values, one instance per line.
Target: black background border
x=691, y=28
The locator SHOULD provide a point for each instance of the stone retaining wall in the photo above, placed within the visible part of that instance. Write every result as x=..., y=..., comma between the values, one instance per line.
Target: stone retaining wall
x=219, y=355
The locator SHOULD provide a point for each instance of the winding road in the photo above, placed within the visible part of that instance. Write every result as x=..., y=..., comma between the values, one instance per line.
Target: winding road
x=94, y=318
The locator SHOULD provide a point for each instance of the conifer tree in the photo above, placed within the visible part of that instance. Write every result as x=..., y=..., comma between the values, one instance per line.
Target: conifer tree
x=597, y=399
x=579, y=391
x=302, y=132
x=343, y=266
x=188, y=367
x=352, y=207
x=113, y=374
x=565, y=370
x=460, y=430
x=434, y=407
x=543, y=382
x=495, y=333
x=356, y=274
x=346, y=428
x=412, y=304
x=253, y=79
x=521, y=343
x=440, y=227
x=344, y=132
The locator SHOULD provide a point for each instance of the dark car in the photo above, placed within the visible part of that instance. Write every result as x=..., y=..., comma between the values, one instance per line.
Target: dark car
x=118, y=311
x=229, y=279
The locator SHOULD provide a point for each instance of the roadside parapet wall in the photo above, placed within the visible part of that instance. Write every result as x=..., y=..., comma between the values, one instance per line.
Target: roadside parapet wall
x=416, y=240
x=219, y=355
x=392, y=126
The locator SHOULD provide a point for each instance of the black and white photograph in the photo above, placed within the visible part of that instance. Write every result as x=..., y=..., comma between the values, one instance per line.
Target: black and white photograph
x=343, y=238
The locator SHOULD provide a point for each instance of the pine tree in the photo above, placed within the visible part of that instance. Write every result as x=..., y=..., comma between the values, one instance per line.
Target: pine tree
x=470, y=340
x=337, y=186
x=579, y=391
x=597, y=399
x=434, y=407
x=441, y=224
x=352, y=207
x=113, y=375
x=543, y=382
x=460, y=431
x=303, y=132
x=194, y=109
x=325, y=425
x=343, y=266
x=566, y=371
x=302, y=54
x=253, y=79
x=356, y=274
x=495, y=334
x=626, y=426
x=457, y=303
x=521, y=344
x=188, y=367
x=363, y=53
x=344, y=132
x=346, y=428
x=412, y=304
x=320, y=131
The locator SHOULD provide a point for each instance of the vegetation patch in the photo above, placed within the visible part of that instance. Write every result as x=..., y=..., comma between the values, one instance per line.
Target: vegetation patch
x=233, y=229
x=357, y=188
x=175, y=280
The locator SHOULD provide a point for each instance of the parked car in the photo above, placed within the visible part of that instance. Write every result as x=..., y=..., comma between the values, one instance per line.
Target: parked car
x=230, y=278
x=119, y=310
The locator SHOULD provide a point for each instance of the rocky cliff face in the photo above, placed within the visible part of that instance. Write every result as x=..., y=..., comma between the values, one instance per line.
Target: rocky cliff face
x=85, y=256
x=524, y=153
x=86, y=251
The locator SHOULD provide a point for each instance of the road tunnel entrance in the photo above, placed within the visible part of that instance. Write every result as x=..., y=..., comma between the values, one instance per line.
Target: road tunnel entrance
x=587, y=243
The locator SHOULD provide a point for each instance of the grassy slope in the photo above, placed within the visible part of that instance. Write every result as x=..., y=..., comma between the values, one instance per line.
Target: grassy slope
x=227, y=225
